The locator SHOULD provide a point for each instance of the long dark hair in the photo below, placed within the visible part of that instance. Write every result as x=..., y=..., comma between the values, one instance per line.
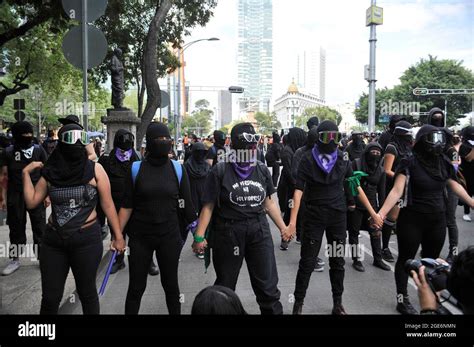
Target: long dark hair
x=217, y=300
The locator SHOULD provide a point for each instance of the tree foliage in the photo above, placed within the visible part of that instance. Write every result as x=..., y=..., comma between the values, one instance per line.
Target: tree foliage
x=267, y=122
x=323, y=113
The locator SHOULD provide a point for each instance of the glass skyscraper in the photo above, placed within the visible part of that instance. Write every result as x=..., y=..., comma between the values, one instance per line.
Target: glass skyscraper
x=255, y=53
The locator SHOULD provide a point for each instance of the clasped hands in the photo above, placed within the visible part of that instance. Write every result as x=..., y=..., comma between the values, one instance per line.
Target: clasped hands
x=376, y=221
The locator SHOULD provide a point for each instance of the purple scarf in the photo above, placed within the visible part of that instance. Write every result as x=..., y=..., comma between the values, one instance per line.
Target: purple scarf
x=325, y=161
x=243, y=170
x=123, y=157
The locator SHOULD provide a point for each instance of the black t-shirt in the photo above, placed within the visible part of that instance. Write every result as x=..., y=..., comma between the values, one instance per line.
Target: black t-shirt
x=238, y=199
x=16, y=161
x=155, y=195
x=321, y=189
x=426, y=194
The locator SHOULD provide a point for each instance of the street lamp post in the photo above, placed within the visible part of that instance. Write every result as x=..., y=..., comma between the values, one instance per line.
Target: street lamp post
x=181, y=61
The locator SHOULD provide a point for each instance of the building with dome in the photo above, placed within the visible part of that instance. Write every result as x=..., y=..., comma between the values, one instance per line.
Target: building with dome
x=292, y=105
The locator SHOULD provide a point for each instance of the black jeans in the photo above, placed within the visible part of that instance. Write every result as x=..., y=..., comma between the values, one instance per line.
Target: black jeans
x=415, y=229
x=451, y=220
x=317, y=220
x=82, y=253
x=234, y=240
x=357, y=220
x=275, y=173
x=167, y=243
x=16, y=217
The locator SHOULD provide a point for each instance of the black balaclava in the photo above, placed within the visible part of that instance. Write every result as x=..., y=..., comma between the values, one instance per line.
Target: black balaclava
x=219, y=138
x=312, y=138
x=330, y=148
x=158, y=150
x=402, y=138
x=430, y=156
x=68, y=165
x=468, y=134
x=196, y=165
x=18, y=130
x=120, y=142
x=238, y=130
x=313, y=122
x=369, y=160
x=276, y=138
x=296, y=138
x=357, y=140
x=394, y=120
x=438, y=120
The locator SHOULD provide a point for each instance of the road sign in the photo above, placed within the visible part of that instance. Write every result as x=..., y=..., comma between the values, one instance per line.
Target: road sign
x=20, y=116
x=95, y=9
x=384, y=119
x=420, y=91
x=97, y=46
x=236, y=90
x=19, y=104
x=165, y=99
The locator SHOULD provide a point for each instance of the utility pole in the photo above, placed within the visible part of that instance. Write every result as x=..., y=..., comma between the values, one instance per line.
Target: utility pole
x=374, y=17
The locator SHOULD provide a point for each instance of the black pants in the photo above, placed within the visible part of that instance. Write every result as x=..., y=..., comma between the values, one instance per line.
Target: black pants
x=16, y=217
x=275, y=173
x=357, y=220
x=415, y=229
x=82, y=253
x=166, y=241
x=451, y=220
x=234, y=240
x=282, y=192
x=317, y=220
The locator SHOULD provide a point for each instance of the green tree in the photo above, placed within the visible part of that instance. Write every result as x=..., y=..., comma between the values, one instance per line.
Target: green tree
x=267, y=122
x=200, y=120
x=323, y=113
x=428, y=73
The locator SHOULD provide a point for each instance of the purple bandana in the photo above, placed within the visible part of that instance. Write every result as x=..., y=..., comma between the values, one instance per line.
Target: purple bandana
x=125, y=156
x=325, y=161
x=243, y=170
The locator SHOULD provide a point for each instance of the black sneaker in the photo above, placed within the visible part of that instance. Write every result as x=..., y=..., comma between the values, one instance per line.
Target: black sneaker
x=153, y=270
x=338, y=310
x=357, y=264
x=284, y=245
x=320, y=262
x=298, y=308
x=117, y=266
x=387, y=255
x=406, y=308
x=381, y=265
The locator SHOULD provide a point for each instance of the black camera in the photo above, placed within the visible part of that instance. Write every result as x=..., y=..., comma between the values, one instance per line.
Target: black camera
x=436, y=273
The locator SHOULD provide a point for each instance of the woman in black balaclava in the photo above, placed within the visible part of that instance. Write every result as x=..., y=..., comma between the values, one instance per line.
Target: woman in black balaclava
x=400, y=147
x=273, y=157
x=217, y=149
x=150, y=211
x=322, y=175
x=15, y=158
x=422, y=220
x=356, y=147
x=198, y=168
x=371, y=163
x=72, y=240
x=296, y=139
x=386, y=136
x=117, y=165
x=237, y=196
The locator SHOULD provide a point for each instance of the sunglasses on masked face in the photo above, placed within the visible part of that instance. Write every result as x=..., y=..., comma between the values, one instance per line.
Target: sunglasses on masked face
x=72, y=136
x=326, y=137
x=436, y=137
x=250, y=138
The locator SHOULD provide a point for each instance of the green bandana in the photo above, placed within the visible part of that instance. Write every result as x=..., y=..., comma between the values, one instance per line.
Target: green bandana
x=354, y=181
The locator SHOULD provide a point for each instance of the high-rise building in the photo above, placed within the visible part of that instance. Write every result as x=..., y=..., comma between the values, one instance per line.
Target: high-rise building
x=311, y=72
x=255, y=54
x=224, y=111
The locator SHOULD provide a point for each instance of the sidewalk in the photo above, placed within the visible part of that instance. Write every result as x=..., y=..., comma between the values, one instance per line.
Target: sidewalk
x=20, y=293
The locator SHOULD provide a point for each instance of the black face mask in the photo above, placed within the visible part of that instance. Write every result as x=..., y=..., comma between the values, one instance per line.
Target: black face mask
x=437, y=122
x=327, y=149
x=24, y=142
x=199, y=156
x=159, y=148
x=433, y=150
x=72, y=152
x=373, y=160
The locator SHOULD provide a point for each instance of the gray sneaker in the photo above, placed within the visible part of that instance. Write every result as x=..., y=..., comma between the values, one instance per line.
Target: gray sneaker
x=12, y=266
x=319, y=268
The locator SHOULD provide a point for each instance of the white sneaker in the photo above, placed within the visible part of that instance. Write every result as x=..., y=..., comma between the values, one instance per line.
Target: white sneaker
x=12, y=266
x=467, y=218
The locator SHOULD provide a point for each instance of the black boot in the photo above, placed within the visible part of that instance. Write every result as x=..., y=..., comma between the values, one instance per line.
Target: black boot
x=338, y=309
x=357, y=264
x=377, y=253
x=153, y=270
x=387, y=255
x=406, y=307
x=118, y=265
x=387, y=229
x=298, y=308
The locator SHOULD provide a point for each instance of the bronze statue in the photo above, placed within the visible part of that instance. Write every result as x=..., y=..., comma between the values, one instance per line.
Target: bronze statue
x=117, y=79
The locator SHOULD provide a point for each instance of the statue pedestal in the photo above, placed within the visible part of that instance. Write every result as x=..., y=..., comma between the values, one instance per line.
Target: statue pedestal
x=119, y=119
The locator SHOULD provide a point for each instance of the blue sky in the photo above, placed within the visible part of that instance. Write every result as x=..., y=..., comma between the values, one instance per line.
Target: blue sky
x=412, y=29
